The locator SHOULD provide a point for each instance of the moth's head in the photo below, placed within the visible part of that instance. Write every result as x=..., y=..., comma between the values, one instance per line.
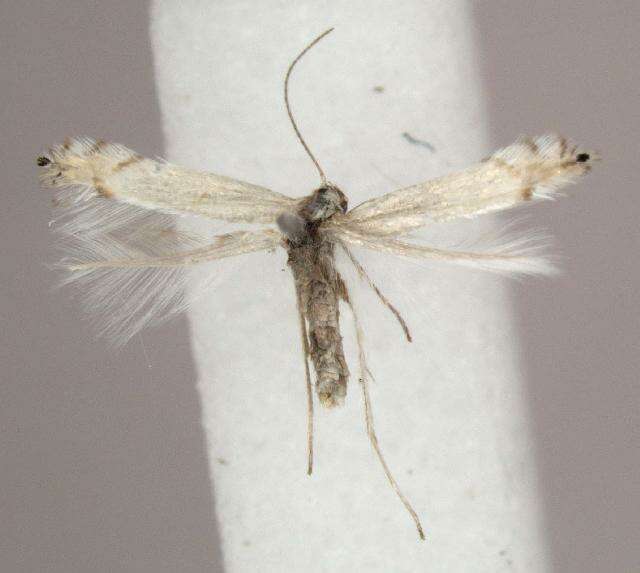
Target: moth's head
x=324, y=203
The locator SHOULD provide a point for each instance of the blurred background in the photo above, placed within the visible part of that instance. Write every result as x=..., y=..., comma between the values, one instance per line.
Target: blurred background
x=103, y=457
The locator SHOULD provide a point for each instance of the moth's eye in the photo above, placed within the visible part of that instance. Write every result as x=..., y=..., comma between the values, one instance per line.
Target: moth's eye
x=582, y=157
x=42, y=161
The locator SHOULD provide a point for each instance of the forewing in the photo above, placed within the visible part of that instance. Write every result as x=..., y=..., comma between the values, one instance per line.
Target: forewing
x=113, y=172
x=531, y=168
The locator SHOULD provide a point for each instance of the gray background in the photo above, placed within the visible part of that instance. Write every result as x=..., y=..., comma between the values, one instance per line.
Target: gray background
x=102, y=457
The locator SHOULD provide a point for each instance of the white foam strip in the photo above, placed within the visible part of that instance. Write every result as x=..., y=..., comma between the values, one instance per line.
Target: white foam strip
x=450, y=408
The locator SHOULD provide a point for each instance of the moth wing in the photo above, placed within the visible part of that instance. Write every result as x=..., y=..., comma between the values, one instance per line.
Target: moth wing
x=136, y=275
x=508, y=252
x=122, y=248
x=530, y=169
x=113, y=172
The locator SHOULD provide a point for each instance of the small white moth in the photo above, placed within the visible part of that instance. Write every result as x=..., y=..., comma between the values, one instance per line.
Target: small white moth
x=118, y=210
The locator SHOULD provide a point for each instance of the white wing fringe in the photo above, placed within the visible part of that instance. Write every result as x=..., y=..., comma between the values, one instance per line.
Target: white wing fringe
x=130, y=265
x=126, y=289
x=507, y=254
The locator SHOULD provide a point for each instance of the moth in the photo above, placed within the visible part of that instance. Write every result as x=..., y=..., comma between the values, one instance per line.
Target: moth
x=123, y=250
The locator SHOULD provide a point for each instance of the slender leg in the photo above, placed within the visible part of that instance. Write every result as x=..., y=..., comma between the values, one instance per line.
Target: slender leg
x=368, y=416
x=305, y=351
x=363, y=274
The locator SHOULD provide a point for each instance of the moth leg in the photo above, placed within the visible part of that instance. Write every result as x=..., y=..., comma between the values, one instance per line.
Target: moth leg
x=305, y=351
x=368, y=416
x=363, y=274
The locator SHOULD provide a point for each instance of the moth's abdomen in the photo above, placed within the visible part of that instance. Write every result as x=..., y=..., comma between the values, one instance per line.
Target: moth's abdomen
x=317, y=281
x=325, y=343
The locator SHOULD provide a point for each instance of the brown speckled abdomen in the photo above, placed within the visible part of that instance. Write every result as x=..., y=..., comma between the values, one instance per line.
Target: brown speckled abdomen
x=319, y=286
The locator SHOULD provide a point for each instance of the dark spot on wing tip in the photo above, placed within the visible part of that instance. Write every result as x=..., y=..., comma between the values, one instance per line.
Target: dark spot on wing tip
x=582, y=157
x=43, y=161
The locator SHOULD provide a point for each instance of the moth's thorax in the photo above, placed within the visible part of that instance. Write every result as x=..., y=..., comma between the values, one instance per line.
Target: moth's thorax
x=321, y=205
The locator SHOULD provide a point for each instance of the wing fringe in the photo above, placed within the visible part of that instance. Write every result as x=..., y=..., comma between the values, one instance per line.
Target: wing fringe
x=509, y=255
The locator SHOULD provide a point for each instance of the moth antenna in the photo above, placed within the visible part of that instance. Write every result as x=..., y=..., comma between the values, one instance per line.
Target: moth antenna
x=323, y=177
